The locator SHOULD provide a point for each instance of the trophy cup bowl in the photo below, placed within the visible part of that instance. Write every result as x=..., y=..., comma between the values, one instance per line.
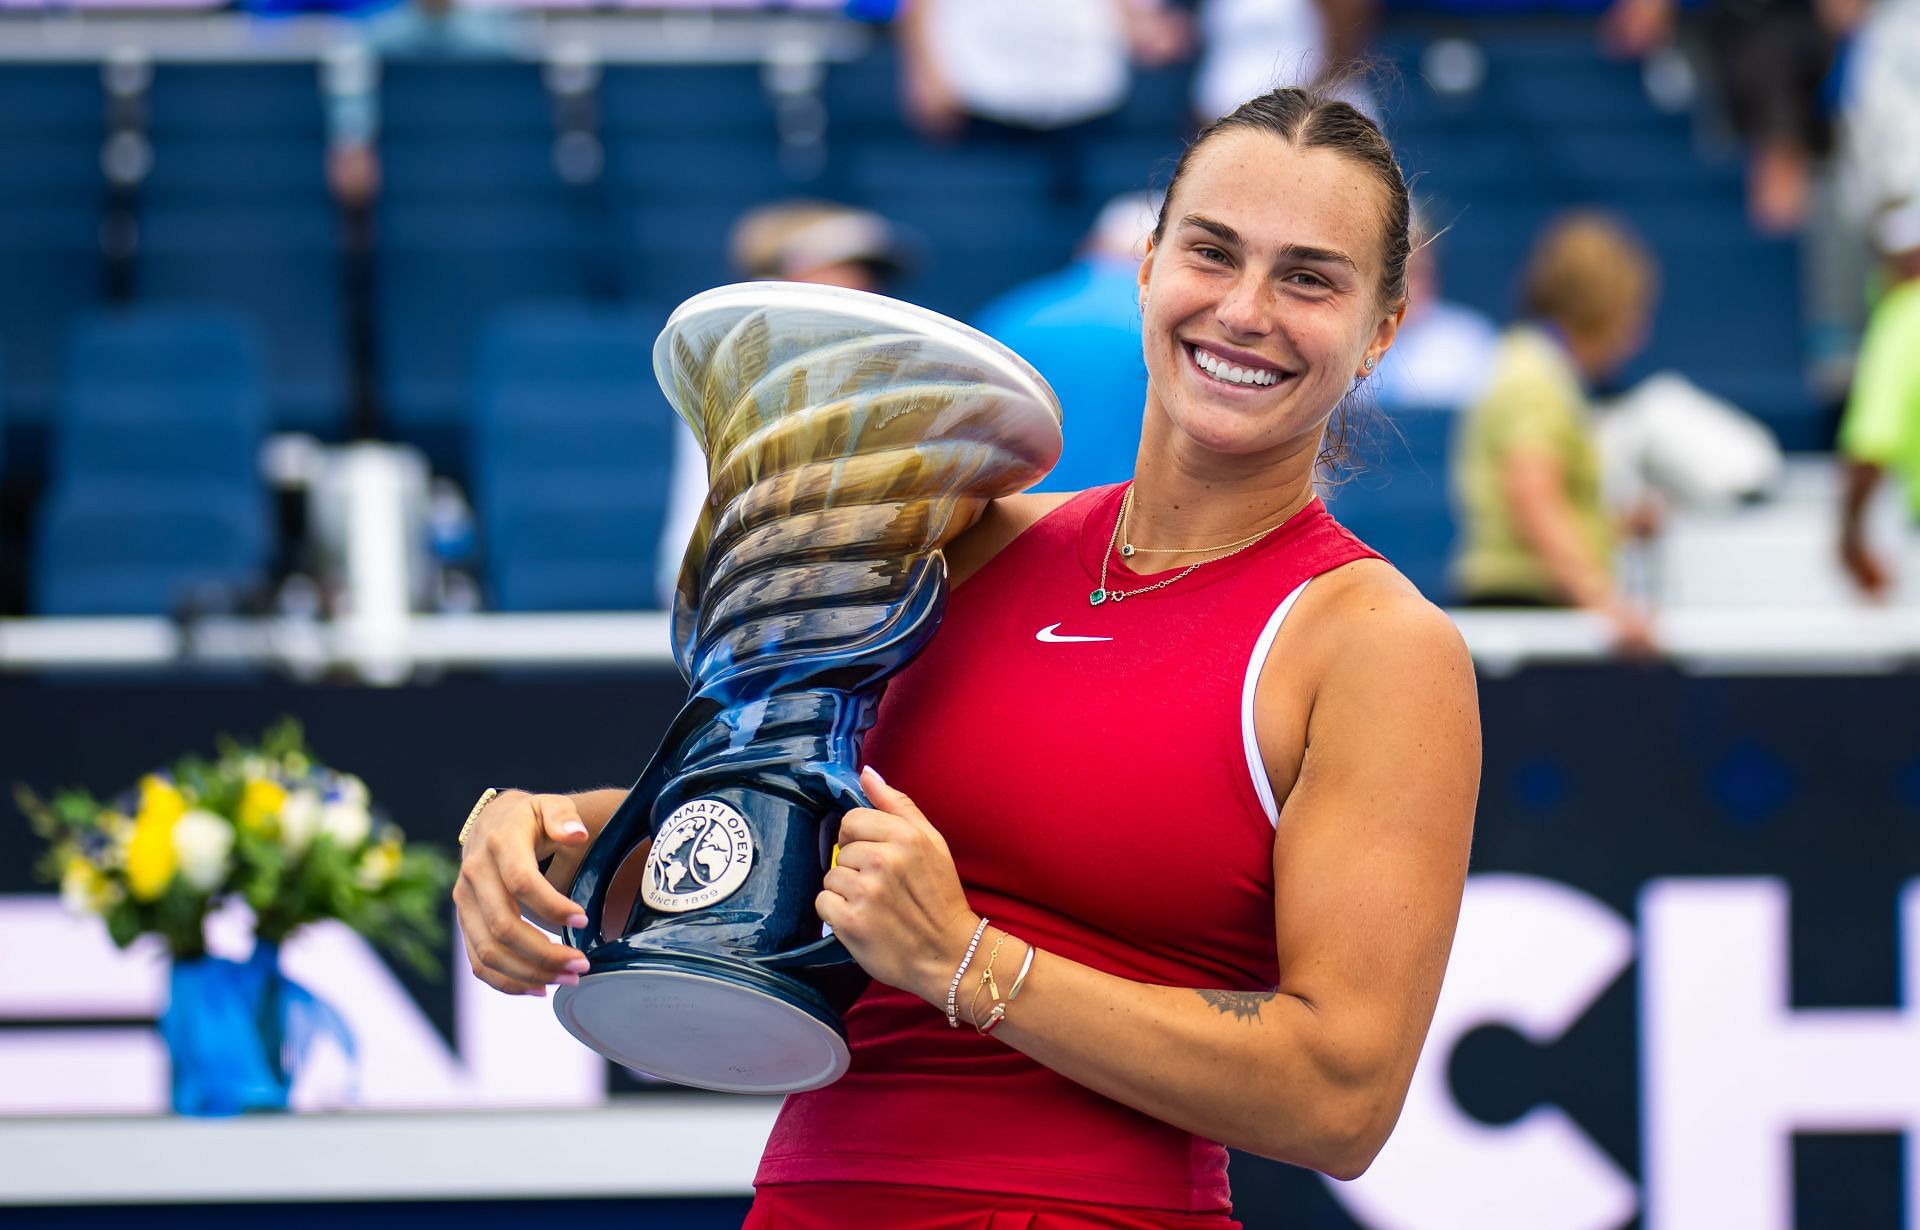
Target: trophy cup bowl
x=849, y=437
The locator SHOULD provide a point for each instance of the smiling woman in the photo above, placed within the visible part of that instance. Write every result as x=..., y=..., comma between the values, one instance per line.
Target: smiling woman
x=1185, y=845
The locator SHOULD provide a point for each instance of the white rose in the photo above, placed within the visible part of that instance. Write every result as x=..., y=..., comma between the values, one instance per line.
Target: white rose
x=203, y=843
x=347, y=824
x=299, y=819
x=349, y=789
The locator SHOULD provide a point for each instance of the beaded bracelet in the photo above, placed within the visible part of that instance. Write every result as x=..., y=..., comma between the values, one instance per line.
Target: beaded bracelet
x=953, y=988
x=999, y=1012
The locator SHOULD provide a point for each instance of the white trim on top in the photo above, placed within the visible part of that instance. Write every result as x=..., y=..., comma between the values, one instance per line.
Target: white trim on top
x=1248, y=740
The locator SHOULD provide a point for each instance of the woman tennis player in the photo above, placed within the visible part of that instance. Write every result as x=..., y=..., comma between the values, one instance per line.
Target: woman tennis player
x=1176, y=806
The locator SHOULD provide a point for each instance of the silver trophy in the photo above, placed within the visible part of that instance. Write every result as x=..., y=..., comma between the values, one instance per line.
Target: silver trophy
x=849, y=437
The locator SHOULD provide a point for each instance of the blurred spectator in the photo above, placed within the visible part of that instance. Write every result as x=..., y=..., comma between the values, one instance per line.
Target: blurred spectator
x=787, y=241
x=818, y=242
x=1771, y=58
x=1081, y=328
x=1527, y=470
x=1251, y=46
x=993, y=67
x=1881, y=427
x=1443, y=354
x=418, y=29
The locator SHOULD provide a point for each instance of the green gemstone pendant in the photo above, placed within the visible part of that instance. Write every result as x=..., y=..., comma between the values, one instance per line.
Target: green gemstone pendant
x=1096, y=597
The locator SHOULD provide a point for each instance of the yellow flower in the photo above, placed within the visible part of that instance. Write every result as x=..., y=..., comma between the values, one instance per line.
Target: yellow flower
x=150, y=857
x=83, y=890
x=378, y=866
x=260, y=804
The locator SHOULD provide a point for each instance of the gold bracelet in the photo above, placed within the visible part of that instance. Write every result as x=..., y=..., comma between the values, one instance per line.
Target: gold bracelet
x=466, y=830
x=999, y=1012
x=986, y=980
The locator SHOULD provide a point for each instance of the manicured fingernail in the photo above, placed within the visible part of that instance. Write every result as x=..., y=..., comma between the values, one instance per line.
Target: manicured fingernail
x=573, y=828
x=578, y=965
x=568, y=980
x=577, y=920
x=876, y=774
x=538, y=992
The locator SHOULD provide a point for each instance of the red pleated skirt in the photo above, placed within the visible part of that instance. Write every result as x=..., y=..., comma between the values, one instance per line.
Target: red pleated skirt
x=855, y=1206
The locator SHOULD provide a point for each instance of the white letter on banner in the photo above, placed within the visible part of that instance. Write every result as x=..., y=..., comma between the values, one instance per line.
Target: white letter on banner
x=1731, y=1069
x=1531, y=954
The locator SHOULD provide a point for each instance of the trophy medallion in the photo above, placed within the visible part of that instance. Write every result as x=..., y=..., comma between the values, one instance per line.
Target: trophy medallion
x=849, y=437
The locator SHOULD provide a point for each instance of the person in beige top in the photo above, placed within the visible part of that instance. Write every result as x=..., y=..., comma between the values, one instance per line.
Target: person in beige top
x=1526, y=466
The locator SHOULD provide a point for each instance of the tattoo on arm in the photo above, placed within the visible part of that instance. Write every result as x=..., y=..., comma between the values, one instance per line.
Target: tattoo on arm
x=1241, y=1005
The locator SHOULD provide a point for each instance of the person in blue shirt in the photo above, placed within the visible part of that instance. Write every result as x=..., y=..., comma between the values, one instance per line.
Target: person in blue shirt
x=1080, y=328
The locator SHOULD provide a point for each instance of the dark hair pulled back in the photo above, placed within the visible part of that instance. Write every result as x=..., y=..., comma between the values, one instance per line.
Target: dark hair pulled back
x=1310, y=120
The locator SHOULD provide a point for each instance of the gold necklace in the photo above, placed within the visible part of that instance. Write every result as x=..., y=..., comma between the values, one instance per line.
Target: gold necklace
x=1128, y=550
x=1103, y=594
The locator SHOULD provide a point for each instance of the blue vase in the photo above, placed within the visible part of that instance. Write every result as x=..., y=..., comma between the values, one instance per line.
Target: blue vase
x=225, y=1032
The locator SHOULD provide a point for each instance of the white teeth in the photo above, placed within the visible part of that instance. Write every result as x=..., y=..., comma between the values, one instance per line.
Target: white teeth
x=1220, y=369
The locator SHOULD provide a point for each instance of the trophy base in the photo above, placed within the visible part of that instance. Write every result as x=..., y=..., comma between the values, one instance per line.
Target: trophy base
x=707, y=1022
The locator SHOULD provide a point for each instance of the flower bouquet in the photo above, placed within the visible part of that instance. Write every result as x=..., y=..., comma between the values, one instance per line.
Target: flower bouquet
x=266, y=824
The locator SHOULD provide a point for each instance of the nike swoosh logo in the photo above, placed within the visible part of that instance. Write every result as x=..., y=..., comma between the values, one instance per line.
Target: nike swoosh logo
x=1051, y=637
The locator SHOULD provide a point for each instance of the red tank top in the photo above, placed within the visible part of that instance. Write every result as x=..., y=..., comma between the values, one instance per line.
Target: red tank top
x=1093, y=772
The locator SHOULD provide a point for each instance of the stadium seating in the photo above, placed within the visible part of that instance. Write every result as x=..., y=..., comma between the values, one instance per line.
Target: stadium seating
x=474, y=219
x=155, y=498
x=1557, y=124
x=235, y=214
x=112, y=546
x=572, y=459
x=51, y=195
x=1396, y=499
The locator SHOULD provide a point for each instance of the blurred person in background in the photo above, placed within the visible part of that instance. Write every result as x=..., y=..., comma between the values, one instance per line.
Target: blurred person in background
x=1029, y=70
x=1264, y=974
x=1445, y=350
x=1080, y=328
x=782, y=241
x=1770, y=59
x=414, y=29
x=1527, y=467
x=1248, y=47
x=1881, y=139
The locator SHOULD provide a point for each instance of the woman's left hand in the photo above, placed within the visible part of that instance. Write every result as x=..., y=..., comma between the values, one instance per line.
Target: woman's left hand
x=893, y=896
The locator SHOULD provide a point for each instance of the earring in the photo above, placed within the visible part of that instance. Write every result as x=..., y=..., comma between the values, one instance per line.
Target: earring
x=1371, y=360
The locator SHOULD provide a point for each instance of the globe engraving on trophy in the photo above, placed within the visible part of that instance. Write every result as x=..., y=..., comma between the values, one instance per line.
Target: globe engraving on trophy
x=848, y=437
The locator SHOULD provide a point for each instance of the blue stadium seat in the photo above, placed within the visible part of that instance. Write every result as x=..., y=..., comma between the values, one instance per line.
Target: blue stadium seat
x=684, y=99
x=1398, y=502
x=279, y=265
x=50, y=98
x=112, y=546
x=572, y=459
x=156, y=497
x=441, y=272
x=228, y=172
x=462, y=97
x=174, y=395
x=200, y=100
x=462, y=168
x=53, y=272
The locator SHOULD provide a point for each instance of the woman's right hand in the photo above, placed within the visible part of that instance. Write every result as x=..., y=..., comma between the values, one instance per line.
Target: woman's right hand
x=500, y=877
